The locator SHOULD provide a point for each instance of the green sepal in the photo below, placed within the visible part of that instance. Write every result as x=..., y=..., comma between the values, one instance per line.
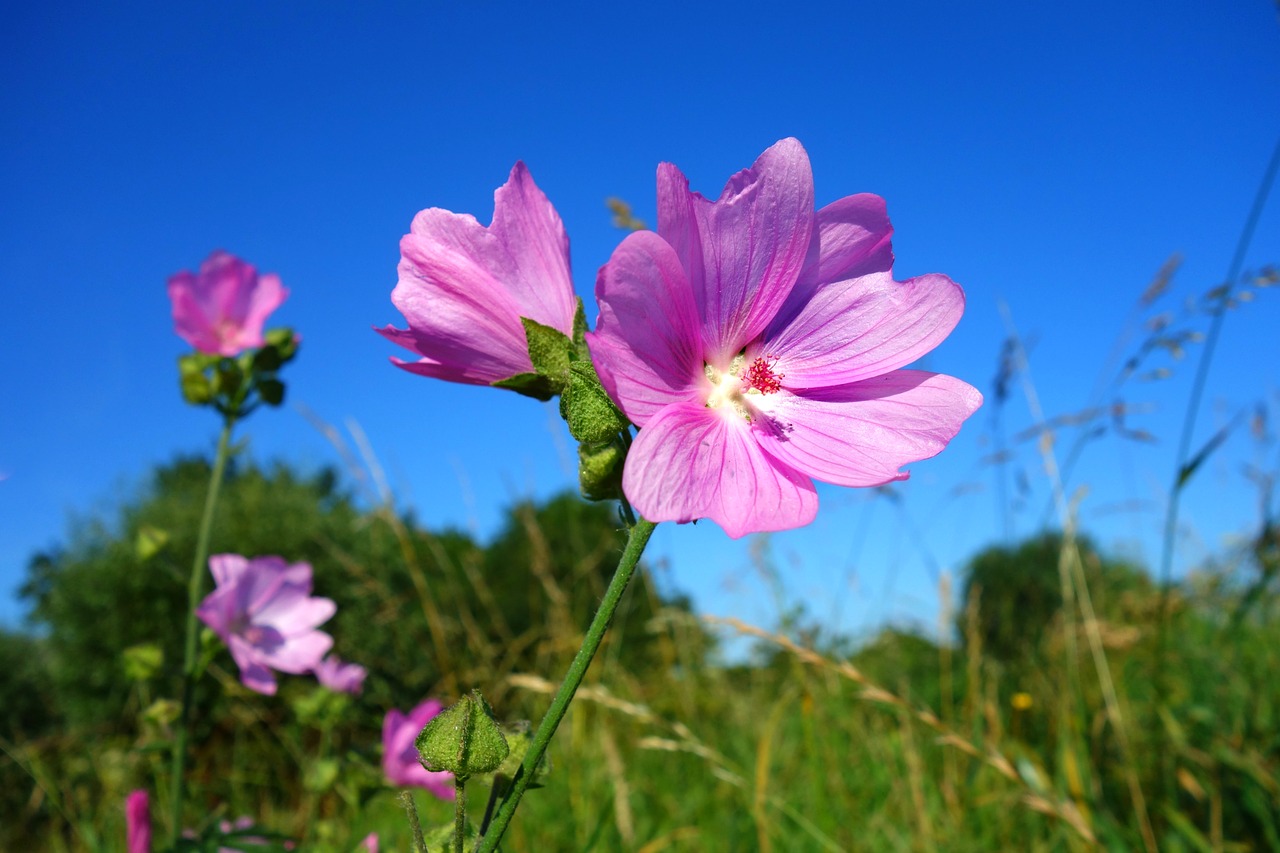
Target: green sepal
x=283, y=341
x=528, y=384
x=267, y=360
x=600, y=469
x=463, y=739
x=586, y=406
x=548, y=350
x=271, y=391
x=518, y=738
x=580, y=352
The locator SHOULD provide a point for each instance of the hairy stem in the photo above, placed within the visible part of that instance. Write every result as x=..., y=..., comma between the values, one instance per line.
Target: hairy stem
x=637, y=538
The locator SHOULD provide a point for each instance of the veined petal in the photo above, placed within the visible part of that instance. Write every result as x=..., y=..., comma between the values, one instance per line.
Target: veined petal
x=460, y=314
x=692, y=462
x=852, y=237
x=743, y=252
x=262, y=300
x=865, y=327
x=647, y=346
x=537, y=251
x=861, y=434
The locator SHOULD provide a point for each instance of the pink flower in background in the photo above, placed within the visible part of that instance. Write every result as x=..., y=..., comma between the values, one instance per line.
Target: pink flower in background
x=400, y=757
x=221, y=309
x=759, y=346
x=137, y=817
x=464, y=287
x=263, y=610
x=370, y=843
x=339, y=676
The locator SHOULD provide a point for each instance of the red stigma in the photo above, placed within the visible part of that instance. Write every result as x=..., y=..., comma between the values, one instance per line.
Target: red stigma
x=760, y=376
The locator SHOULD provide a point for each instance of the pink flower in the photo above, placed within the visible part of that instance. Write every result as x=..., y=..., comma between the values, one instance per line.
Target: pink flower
x=370, y=843
x=137, y=817
x=221, y=310
x=758, y=345
x=339, y=676
x=400, y=757
x=263, y=610
x=464, y=287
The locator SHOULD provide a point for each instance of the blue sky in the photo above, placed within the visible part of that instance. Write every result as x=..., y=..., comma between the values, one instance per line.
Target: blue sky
x=1050, y=156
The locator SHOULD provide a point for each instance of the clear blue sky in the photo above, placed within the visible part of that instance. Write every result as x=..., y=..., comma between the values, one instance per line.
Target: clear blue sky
x=1048, y=155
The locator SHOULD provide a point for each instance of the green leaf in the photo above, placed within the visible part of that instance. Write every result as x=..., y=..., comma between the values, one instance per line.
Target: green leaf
x=528, y=384
x=142, y=662
x=150, y=541
x=586, y=406
x=1210, y=446
x=284, y=341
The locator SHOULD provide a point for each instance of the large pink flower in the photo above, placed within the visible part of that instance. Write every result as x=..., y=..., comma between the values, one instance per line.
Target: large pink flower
x=464, y=287
x=400, y=757
x=758, y=345
x=263, y=610
x=221, y=310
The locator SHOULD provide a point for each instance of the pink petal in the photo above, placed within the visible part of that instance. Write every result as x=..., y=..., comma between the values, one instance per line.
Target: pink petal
x=137, y=811
x=866, y=327
x=227, y=568
x=463, y=287
x=269, y=295
x=527, y=225
x=299, y=653
x=647, y=346
x=294, y=614
x=692, y=462
x=861, y=434
x=254, y=672
x=852, y=237
x=743, y=252
x=189, y=317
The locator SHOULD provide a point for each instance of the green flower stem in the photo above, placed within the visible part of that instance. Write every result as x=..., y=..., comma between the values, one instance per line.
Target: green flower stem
x=636, y=540
x=459, y=813
x=195, y=587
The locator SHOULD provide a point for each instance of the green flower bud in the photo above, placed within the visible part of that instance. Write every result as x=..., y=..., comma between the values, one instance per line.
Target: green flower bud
x=463, y=739
x=600, y=469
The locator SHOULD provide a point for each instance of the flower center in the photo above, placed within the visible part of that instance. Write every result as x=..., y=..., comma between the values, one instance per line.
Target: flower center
x=736, y=386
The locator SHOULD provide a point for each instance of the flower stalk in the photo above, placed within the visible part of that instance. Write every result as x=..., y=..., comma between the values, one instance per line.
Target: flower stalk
x=195, y=587
x=637, y=538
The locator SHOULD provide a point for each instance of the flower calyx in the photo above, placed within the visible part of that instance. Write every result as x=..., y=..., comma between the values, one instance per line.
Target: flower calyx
x=463, y=739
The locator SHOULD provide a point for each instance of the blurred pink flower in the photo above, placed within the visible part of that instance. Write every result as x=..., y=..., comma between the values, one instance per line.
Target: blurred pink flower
x=400, y=757
x=370, y=843
x=758, y=345
x=137, y=816
x=464, y=287
x=221, y=310
x=339, y=676
x=263, y=610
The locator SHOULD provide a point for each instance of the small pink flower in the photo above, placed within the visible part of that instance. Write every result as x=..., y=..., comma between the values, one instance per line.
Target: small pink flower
x=370, y=843
x=759, y=346
x=263, y=610
x=400, y=757
x=221, y=310
x=137, y=816
x=464, y=287
x=339, y=676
